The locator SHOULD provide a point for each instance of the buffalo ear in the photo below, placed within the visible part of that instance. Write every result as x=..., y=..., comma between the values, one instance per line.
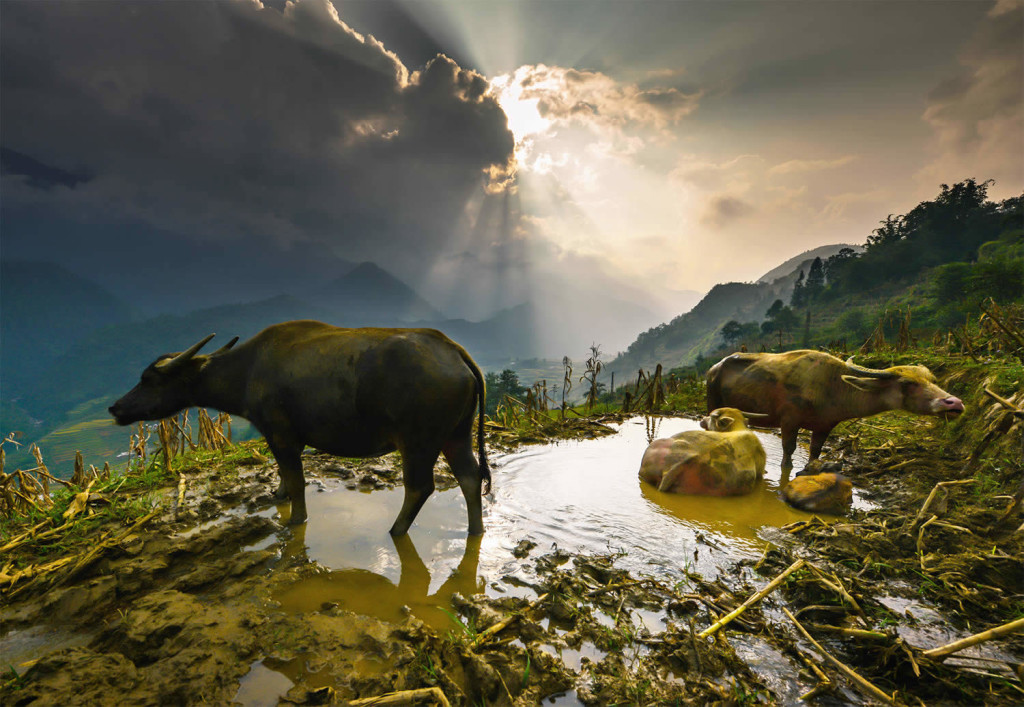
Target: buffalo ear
x=866, y=384
x=724, y=422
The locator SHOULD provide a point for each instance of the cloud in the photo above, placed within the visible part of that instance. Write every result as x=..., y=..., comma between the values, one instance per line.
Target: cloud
x=977, y=115
x=734, y=174
x=800, y=166
x=566, y=95
x=234, y=121
x=722, y=210
x=837, y=206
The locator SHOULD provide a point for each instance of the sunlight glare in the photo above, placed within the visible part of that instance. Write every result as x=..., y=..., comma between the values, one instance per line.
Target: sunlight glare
x=524, y=118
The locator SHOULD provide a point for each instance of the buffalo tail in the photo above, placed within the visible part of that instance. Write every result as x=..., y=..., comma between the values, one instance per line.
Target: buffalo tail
x=481, y=392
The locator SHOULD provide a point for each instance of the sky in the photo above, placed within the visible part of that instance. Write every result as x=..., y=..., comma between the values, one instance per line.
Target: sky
x=488, y=152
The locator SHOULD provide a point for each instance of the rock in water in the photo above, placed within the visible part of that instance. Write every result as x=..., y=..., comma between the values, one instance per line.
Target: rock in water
x=820, y=493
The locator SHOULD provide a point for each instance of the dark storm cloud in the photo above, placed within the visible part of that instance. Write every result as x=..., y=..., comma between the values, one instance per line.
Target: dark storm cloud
x=229, y=119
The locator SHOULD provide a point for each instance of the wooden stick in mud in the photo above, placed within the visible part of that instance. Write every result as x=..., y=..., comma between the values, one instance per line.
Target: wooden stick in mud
x=503, y=624
x=955, y=646
x=852, y=632
x=931, y=496
x=180, y=498
x=866, y=686
x=14, y=542
x=752, y=600
x=839, y=589
x=1004, y=402
x=404, y=697
x=825, y=684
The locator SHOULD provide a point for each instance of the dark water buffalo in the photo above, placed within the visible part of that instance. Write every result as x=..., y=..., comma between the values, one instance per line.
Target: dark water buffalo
x=725, y=460
x=350, y=392
x=815, y=391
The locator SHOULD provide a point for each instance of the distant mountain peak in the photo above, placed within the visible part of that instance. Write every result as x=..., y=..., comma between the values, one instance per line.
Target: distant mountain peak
x=791, y=265
x=370, y=295
x=368, y=267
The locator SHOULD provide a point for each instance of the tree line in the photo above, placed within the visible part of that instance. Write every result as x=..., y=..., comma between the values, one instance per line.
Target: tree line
x=960, y=246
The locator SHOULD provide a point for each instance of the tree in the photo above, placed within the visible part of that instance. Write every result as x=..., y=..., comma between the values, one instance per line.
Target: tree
x=815, y=281
x=893, y=229
x=501, y=384
x=731, y=332
x=836, y=263
x=786, y=320
x=749, y=332
x=797, y=300
x=780, y=318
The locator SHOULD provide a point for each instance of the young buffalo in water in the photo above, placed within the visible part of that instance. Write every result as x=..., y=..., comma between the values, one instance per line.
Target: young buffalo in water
x=726, y=460
x=350, y=392
x=815, y=391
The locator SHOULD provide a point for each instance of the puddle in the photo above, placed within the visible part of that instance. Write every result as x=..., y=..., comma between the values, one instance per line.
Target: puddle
x=18, y=647
x=924, y=626
x=261, y=687
x=646, y=619
x=772, y=667
x=583, y=496
x=573, y=657
x=563, y=698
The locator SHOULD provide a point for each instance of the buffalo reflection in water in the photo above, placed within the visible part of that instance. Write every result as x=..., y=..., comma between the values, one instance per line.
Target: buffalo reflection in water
x=365, y=592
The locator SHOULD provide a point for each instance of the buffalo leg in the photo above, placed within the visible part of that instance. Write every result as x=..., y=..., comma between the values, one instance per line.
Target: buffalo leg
x=418, y=474
x=669, y=477
x=293, y=484
x=467, y=471
x=789, y=433
x=817, y=442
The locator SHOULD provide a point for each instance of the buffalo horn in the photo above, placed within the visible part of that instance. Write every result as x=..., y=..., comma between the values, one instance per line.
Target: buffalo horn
x=225, y=347
x=754, y=415
x=184, y=355
x=868, y=372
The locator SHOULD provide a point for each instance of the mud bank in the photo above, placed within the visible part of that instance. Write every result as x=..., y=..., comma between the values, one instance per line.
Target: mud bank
x=212, y=601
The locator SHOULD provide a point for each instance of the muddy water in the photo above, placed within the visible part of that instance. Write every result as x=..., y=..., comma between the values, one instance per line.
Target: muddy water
x=582, y=496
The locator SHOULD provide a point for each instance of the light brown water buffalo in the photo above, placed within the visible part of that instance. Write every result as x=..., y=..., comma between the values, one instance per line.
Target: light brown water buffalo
x=815, y=391
x=350, y=392
x=723, y=459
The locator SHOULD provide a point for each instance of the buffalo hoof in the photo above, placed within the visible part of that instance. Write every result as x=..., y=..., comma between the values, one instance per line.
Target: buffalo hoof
x=821, y=493
x=816, y=466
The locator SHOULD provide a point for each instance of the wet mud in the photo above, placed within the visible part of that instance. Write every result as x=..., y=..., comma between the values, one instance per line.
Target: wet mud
x=587, y=588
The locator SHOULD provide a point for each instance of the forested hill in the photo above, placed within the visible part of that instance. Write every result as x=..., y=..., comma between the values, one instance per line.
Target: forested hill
x=682, y=340
x=937, y=262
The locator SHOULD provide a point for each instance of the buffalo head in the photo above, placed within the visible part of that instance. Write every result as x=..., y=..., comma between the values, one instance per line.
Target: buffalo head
x=166, y=386
x=912, y=388
x=728, y=420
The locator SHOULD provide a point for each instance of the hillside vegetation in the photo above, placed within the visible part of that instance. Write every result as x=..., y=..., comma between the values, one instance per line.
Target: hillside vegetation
x=919, y=274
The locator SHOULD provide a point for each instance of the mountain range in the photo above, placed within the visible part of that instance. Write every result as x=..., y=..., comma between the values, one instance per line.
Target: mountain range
x=680, y=341
x=69, y=346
